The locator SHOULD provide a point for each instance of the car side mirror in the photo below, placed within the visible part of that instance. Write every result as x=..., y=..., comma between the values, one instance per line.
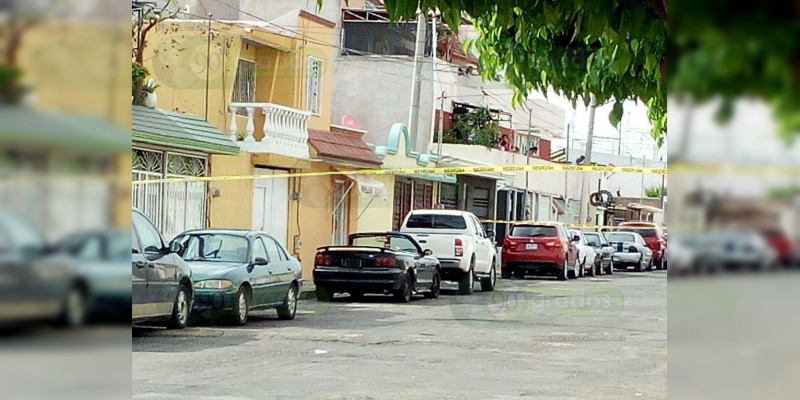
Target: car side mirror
x=427, y=252
x=490, y=233
x=175, y=247
x=576, y=238
x=260, y=261
x=152, y=250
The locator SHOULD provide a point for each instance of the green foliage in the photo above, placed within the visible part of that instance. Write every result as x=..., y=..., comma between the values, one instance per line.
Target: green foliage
x=613, y=49
x=784, y=193
x=138, y=74
x=10, y=89
x=752, y=52
x=475, y=127
x=655, y=191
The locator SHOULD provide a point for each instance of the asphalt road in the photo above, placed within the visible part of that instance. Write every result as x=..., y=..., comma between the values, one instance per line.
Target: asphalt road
x=598, y=338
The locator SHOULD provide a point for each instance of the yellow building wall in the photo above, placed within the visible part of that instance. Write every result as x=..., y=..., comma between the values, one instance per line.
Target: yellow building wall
x=234, y=206
x=374, y=214
x=315, y=216
x=321, y=44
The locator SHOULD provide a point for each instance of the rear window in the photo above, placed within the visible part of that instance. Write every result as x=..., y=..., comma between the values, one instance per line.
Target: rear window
x=620, y=237
x=645, y=232
x=534, y=231
x=435, y=221
x=593, y=239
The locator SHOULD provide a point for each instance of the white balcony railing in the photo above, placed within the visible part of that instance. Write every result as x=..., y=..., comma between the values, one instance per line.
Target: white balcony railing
x=284, y=130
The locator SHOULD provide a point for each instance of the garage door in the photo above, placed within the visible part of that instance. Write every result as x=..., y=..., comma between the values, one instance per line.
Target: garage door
x=271, y=204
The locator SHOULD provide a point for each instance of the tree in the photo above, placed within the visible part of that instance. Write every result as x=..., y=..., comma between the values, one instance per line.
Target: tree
x=735, y=50
x=145, y=18
x=655, y=191
x=475, y=127
x=613, y=49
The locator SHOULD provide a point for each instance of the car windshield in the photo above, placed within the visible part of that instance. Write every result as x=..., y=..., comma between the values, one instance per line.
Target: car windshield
x=436, y=221
x=534, y=231
x=593, y=239
x=645, y=232
x=97, y=246
x=620, y=237
x=391, y=242
x=214, y=247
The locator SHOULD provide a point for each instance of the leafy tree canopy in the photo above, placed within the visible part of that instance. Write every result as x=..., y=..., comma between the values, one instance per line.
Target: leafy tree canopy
x=612, y=49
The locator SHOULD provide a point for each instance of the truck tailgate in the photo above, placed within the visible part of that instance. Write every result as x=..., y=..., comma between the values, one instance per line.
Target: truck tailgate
x=441, y=243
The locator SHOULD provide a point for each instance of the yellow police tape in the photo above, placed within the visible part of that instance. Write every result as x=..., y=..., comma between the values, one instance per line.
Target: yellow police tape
x=417, y=171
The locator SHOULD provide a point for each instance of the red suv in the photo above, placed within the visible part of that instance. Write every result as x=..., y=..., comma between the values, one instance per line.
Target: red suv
x=538, y=249
x=779, y=242
x=654, y=238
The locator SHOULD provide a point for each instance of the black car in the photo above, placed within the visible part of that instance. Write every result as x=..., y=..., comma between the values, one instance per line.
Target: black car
x=161, y=284
x=380, y=262
x=605, y=252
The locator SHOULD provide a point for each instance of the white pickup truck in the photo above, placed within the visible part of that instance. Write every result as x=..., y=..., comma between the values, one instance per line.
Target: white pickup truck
x=465, y=250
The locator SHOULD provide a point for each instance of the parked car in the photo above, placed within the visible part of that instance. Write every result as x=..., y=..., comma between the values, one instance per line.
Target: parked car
x=465, y=250
x=690, y=253
x=654, y=237
x=237, y=271
x=781, y=244
x=740, y=249
x=97, y=260
x=539, y=249
x=586, y=254
x=38, y=283
x=605, y=253
x=630, y=250
x=379, y=263
x=161, y=282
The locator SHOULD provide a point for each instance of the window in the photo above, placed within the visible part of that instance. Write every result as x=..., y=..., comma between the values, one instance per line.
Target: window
x=621, y=237
x=435, y=221
x=479, y=227
x=214, y=248
x=534, y=231
x=314, y=86
x=274, y=253
x=244, y=87
x=480, y=202
x=135, y=240
x=448, y=196
x=593, y=239
x=341, y=206
x=645, y=232
x=148, y=235
x=259, y=251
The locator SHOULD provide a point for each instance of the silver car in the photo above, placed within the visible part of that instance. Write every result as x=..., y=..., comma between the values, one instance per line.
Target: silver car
x=630, y=250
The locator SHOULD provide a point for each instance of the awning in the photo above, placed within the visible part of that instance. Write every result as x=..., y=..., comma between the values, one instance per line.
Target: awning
x=369, y=186
x=432, y=177
x=637, y=206
x=50, y=130
x=183, y=131
x=559, y=205
x=342, y=145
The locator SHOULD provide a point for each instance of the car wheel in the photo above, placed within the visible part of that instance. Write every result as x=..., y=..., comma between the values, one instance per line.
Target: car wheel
x=436, y=287
x=180, y=309
x=563, y=274
x=241, y=308
x=74, y=308
x=466, y=283
x=610, y=269
x=487, y=283
x=288, y=309
x=323, y=294
x=575, y=273
x=519, y=274
x=356, y=296
x=505, y=273
x=650, y=265
x=406, y=290
x=638, y=267
x=591, y=270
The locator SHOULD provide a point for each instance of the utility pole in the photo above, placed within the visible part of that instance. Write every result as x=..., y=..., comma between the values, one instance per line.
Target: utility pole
x=208, y=63
x=619, y=137
x=528, y=159
x=434, y=55
x=416, y=84
x=584, y=212
x=441, y=129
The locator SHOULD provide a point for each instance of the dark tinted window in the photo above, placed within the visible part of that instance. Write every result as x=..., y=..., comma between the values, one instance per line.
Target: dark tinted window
x=620, y=237
x=534, y=231
x=593, y=239
x=435, y=221
x=645, y=232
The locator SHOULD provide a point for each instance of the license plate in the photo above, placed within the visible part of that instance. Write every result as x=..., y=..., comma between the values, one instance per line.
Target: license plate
x=531, y=246
x=352, y=263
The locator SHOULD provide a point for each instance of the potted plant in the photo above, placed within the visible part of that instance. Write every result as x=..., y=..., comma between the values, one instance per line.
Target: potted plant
x=149, y=93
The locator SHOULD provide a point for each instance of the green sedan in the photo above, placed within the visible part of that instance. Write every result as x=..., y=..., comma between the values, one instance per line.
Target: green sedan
x=238, y=271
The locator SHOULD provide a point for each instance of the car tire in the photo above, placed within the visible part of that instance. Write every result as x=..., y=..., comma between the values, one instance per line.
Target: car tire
x=519, y=274
x=575, y=273
x=323, y=294
x=356, y=296
x=181, y=309
x=563, y=274
x=638, y=266
x=74, y=308
x=649, y=265
x=592, y=271
x=505, y=273
x=288, y=309
x=610, y=269
x=487, y=283
x=406, y=291
x=467, y=282
x=436, y=287
x=241, y=307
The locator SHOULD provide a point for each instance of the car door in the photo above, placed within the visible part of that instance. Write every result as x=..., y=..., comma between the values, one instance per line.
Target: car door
x=161, y=269
x=572, y=248
x=281, y=269
x=261, y=277
x=483, y=247
x=138, y=278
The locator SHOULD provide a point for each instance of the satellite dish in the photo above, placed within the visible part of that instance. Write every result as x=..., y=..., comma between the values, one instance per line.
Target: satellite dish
x=351, y=122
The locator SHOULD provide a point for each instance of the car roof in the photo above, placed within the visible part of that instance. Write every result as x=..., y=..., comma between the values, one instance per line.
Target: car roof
x=441, y=212
x=542, y=223
x=226, y=231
